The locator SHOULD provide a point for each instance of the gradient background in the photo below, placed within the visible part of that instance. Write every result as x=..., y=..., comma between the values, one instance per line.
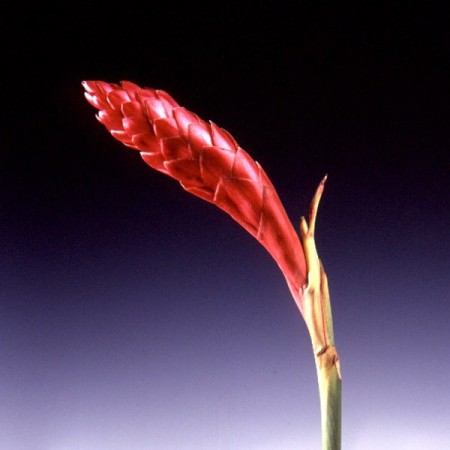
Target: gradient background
x=134, y=316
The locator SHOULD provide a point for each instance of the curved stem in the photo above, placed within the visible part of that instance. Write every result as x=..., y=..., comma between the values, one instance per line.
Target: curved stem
x=317, y=314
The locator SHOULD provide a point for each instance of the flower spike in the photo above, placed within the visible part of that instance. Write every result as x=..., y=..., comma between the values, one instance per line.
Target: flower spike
x=207, y=162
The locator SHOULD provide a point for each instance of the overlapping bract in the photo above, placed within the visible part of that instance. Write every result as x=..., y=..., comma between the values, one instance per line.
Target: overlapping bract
x=207, y=162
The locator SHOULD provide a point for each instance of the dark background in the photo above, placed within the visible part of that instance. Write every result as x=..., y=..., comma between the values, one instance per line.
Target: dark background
x=136, y=316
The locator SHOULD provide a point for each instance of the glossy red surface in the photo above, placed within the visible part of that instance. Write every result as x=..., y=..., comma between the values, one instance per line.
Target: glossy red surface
x=207, y=162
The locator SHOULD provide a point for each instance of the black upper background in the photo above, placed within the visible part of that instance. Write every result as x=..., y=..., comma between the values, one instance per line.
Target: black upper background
x=361, y=95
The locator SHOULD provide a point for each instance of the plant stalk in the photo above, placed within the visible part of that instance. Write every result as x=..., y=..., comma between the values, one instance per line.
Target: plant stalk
x=330, y=399
x=317, y=314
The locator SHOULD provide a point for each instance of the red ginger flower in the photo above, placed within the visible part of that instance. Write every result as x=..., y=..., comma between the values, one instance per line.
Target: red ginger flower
x=207, y=162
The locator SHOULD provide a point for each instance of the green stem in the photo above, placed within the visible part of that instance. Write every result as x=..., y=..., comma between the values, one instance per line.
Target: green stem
x=330, y=399
x=329, y=375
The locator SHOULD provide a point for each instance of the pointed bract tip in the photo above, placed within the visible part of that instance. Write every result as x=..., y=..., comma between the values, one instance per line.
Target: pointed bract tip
x=88, y=86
